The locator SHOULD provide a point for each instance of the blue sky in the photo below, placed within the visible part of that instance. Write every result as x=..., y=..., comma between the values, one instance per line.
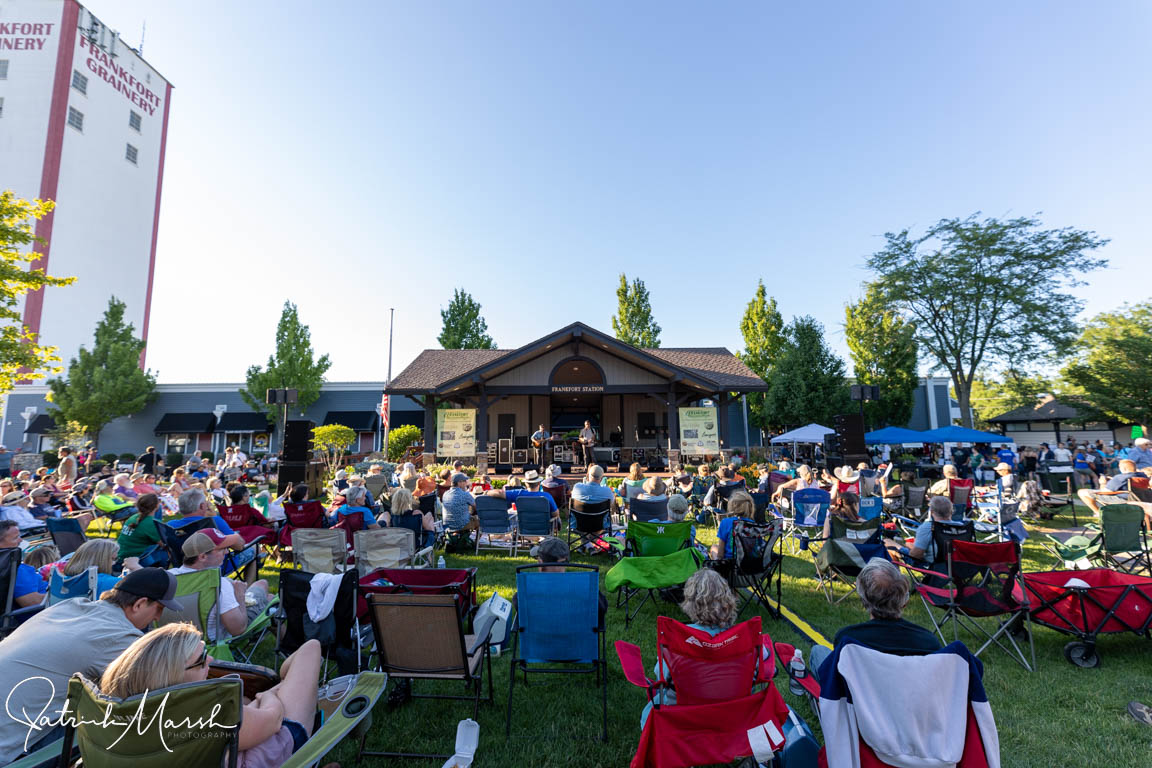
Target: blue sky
x=354, y=156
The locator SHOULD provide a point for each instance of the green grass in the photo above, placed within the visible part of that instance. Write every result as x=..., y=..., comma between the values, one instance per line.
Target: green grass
x=1058, y=715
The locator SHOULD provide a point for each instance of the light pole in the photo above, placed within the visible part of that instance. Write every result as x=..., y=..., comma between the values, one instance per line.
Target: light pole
x=391, y=323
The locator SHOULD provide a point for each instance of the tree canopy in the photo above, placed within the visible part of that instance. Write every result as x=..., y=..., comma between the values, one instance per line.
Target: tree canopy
x=1113, y=364
x=292, y=366
x=763, y=329
x=993, y=395
x=106, y=382
x=986, y=291
x=884, y=354
x=21, y=354
x=633, y=322
x=463, y=326
x=807, y=384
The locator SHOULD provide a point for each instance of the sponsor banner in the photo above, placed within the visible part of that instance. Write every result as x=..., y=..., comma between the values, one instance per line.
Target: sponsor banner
x=456, y=432
x=699, y=431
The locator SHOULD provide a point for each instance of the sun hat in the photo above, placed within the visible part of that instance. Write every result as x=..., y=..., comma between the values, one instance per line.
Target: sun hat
x=846, y=474
x=1002, y=466
x=654, y=486
x=532, y=477
x=15, y=497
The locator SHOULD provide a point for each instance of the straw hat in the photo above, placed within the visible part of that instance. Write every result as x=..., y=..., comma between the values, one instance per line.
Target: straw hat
x=1003, y=467
x=654, y=486
x=846, y=474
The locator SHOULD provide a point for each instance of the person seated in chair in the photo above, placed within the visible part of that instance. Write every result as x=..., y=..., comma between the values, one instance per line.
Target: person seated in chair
x=356, y=500
x=41, y=507
x=238, y=603
x=459, y=506
x=943, y=486
x=275, y=724
x=892, y=496
x=553, y=479
x=884, y=591
x=591, y=491
x=15, y=508
x=728, y=479
x=846, y=507
x=29, y=588
x=922, y=553
x=404, y=504
x=741, y=507
x=805, y=478
x=532, y=482
x=1113, y=490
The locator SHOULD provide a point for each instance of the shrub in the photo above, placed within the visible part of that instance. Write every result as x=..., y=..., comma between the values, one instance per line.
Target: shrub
x=50, y=459
x=110, y=458
x=435, y=469
x=172, y=459
x=131, y=457
x=96, y=465
x=401, y=438
x=208, y=455
x=363, y=466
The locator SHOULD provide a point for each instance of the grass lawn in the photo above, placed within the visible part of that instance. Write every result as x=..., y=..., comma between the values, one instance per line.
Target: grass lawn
x=1058, y=715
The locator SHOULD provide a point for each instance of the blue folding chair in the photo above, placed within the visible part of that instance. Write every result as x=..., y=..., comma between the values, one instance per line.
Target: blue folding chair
x=760, y=502
x=648, y=510
x=492, y=515
x=809, y=508
x=558, y=622
x=533, y=519
x=871, y=507
x=61, y=587
x=66, y=534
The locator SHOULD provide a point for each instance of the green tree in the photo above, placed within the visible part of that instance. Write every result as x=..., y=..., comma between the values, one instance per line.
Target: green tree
x=993, y=395
x=763, y=329
x=463, y=327
x=633, y=323
x=21, y=355
x=400, y=438
x=106, y=382
x=332, y=441
x=986, y=291
x=1113, y=364
x=292, y=367
x=884, y=354
x=807, y=384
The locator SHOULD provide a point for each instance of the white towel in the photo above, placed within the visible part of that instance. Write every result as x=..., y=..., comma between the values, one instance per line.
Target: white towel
x=322, y=595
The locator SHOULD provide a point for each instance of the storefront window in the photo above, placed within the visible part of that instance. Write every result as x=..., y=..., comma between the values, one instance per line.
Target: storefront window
x=178, y=443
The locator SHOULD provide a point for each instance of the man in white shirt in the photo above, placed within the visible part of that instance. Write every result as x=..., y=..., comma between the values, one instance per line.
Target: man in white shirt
x=587, y=442
x=205, y=550
x=15, y=508
x=1061, y=453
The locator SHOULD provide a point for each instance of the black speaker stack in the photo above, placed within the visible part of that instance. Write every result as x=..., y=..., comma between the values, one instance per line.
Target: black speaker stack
x=296, y=454
x=846, y=444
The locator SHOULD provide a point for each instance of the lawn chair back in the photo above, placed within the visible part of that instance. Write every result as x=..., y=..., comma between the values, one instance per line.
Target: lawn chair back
x=307, y=514
x=240, y=515
x=656, y=539
x=533, y=516
x=1056, y=482
x=61, y=587
x=777, y=479
x=985, y=576
x=1137, y=486
x=294, y=631
x=851, y=545
x=320, y=550
x=589, y=516
x=558, y=614
x=810, y=506
x=960, y=494
x=492, y=514
x=66, y=534
x=350, y=523
x=914, y=496
x=376, y=485
x=171, y=725
x=409, y=521
x=648, y=509
x=419, y=636
x=384, y=548
x=706, y=667
x=1122, y=529
x=198, y=593
x=943, y=534
x=752, y=545
x=760, y=503
x=174, y=536
x=724, y=492
x=559, y=494
x=871, y=507
x=427, y=503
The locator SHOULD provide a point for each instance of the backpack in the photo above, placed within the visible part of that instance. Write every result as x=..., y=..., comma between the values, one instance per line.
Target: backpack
x=751, y=545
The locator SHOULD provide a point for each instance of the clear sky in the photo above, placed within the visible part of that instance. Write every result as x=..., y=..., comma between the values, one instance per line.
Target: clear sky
x=355, y=156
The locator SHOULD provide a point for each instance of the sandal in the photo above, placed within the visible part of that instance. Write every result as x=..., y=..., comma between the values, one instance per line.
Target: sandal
x=1142, y=713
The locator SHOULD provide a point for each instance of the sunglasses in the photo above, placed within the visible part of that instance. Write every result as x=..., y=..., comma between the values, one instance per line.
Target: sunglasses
x=200, y=661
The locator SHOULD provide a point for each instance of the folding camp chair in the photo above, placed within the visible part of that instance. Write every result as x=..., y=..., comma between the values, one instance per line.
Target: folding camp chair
x=10, y=559
x=421, y=637
x=914, y=498
x=1058, y=493
x=647, y=510
x=415, y=522
x=533, y=520
x=247, y=521
x=66, y=534
x=1140, y=490
x=1123, y=539
x=111, y=511
x=723, y=493
x=559, y=494
x=494, y=520
x=871, y=507
x=320, y=550
x=308, y=514
x=960, y=494
x=753, y=560
x=587, y=523
x=377, y=485
x=338, y=632
x=842, y=556
x=979, y=582
x=558, y=629
x=652, y=561
x=61, y=587
x=809, y=508
x=427, y=503
x=760, y=504
x=349, y=524
x=175, y=536
x=389, y=548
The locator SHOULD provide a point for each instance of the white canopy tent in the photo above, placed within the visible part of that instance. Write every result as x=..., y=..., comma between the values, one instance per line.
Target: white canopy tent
x=812, y=433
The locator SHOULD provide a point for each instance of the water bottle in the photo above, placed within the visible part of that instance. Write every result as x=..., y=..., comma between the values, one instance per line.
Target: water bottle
x=796, y=672
x=440, y=563
x=804, y=540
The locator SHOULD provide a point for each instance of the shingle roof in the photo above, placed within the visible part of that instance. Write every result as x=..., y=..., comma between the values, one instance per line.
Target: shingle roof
x=713, y=363
x=1047, y=411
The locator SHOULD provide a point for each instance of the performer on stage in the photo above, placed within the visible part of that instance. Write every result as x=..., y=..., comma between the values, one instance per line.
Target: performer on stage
x=539, y=442
x=587, y=442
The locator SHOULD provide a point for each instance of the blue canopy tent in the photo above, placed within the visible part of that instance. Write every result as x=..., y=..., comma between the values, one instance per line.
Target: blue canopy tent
x=892, y=436
x=962, y=435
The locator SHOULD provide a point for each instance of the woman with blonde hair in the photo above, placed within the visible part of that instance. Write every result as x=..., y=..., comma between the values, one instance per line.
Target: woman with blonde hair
x=409, y=477
x=273, y=726
x=179, y=482
x=632, y=485
x=101, y=553
x=404, y=503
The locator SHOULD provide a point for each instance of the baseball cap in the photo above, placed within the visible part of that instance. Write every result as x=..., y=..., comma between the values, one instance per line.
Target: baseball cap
x=550, y=550
x=202, y=541
x=153, y=583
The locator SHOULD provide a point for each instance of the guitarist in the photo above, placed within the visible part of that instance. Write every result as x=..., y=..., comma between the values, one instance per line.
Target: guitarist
x=539, y=441
x=587, y=441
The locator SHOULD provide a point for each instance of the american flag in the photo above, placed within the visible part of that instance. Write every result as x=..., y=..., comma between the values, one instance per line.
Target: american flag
x=384, y=411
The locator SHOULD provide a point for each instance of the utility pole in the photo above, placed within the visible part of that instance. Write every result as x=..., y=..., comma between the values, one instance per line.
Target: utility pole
x=388, y=384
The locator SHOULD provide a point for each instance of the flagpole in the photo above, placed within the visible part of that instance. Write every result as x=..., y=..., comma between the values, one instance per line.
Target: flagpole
x=391, y=322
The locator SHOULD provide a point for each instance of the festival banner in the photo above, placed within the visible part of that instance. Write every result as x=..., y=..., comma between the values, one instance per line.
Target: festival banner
x=456, y=432
x=699, y=431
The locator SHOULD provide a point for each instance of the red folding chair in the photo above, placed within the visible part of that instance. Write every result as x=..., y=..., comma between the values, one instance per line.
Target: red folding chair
x=307, y=514
x=718, y=716
x=960, y=493
x=350, y=523
x=247, y=521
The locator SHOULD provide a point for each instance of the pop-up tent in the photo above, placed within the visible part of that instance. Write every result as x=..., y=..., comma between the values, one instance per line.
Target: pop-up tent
x=962, y=435
x=892, y=436
x=813, y=433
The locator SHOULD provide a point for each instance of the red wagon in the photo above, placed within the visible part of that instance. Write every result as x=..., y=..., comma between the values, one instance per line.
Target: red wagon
x=1088, y=603
x=422, y=581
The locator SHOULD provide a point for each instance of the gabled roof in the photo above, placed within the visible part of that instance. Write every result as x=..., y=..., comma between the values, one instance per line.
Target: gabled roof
x=710, y=369
x=1049, y=410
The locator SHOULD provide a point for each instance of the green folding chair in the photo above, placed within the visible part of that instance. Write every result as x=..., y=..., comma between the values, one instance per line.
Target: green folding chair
x=1123, y=539
x=199, y=594
x=633, y=575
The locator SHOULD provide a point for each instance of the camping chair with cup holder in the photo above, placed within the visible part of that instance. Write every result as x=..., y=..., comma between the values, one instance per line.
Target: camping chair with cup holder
x=66, y=534
x=657, y=557
x=1058, y=492
x=338, y=632
x=533, y=521
x=809, y=507
x=247, y=521
x=842, y=556
x=389, y=548
x=61, y=587
x=754, y=558
x=587, y=525
x=647, y=510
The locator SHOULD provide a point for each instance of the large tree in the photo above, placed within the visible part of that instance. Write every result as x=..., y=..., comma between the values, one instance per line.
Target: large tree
x=884, y=354
x=291, y=367
x=633, y=323
x=986, y=291
x=808, y=381
x=1113, y=364
x=993, y=395
x=763, y=329
x=21, y=354
x=463, y=326
x=106, y=382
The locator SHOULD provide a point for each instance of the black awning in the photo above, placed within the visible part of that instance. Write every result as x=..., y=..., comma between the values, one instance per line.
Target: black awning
x=405, y=418
x=41, y=425
x=188, y=423
x=360, y=421
x=243, y=422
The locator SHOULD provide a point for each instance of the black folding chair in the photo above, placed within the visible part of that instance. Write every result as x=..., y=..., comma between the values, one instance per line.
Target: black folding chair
x=647, y=510
x=66, y=534
x=587, y=523
x=10, y=559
